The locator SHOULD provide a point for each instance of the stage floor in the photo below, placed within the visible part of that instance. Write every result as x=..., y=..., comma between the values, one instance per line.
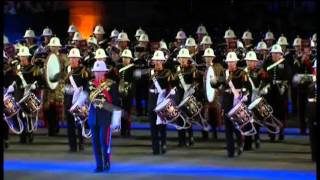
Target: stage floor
x=48, y=158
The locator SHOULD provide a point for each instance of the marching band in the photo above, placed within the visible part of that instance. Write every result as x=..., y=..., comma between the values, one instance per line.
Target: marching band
x=92, y=84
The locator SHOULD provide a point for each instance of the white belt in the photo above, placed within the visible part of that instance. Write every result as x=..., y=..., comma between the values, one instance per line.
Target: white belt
x=312, y=100
x=277, y=81
x=239, y=90
x=154, y=91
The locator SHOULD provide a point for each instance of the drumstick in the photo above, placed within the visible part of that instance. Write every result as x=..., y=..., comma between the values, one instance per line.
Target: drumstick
x=233, y=89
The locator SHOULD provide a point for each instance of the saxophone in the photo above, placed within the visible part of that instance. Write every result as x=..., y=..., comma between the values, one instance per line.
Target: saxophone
x=96, y=92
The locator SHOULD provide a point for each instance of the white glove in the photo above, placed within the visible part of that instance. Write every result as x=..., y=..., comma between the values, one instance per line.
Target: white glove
x=116, y=120
x=33, y=86
x=68, y=89
x=10, y=88
x=282, y=90
x=137, y=74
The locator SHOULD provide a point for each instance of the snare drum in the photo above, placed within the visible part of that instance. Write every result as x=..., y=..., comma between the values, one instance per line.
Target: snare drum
x=242, y=119
x=167, y=110
x=262, y=112
x=11, y=106
x=190, y=106
x=261, y=109
x=30, y=103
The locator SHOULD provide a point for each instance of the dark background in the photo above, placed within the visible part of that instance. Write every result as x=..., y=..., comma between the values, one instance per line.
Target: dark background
x=162, y=19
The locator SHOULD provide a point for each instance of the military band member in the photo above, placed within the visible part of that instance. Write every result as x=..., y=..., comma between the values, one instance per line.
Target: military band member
x=101, y=91
x=188, y=72
x=269, y=38
x=126, y=89
x=191, y=46
x=89, y=54
x=141, y=90
x=247, y=39
x=53, y=100
x=213, y=111
x=302, y=65
x=27, y=75
x=279, y=73
x=205, y=43
x=179, y=43
x=162, y=76
x=123, y=41
x=201, y=32
x=254, y=85
x=238, y=77
x=76, y=79
x=262, y=53
x=71, y=30
x=31, y=41
x=99, y=33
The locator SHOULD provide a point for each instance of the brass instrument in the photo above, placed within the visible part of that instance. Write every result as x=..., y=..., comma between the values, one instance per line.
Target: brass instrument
x=95, y=93
x=124, y=88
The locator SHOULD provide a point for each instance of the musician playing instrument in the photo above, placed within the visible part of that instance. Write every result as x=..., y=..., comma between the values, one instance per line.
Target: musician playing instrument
x=29, y=78
x=102, y=120
x=76, y=80
x=213, y=109
x=255, y=86
x=31, y=41
x=302, y=67
x=188, y=72
x=279, y=73
x=159, y=84
x=126, y=89
x=53, y=99
x=236, y=77
x=99, y=33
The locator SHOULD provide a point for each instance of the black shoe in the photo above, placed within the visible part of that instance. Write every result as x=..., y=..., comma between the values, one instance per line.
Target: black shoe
x=191, y=141
x=23, y=140
x=240, y=151
x=73, y=150
x=81, y=147
x=163, y=149
x=30, y=138
x=230, y=155
x=6, y=144
x=98, y=169
x=281, y=137
x=257, y=144
x=155, y=152
x=107, y=165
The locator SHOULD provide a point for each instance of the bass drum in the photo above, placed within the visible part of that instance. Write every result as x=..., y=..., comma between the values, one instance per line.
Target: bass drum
x=208, y=80
x=52, y=67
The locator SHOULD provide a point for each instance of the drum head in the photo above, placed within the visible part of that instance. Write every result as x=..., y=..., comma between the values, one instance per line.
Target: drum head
x=234, y=109
x=209, y=89
x=254, y=103
x=52, y=67
x=162, y=104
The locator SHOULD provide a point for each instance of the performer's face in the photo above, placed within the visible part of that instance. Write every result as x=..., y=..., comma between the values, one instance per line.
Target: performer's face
x=46, y=39
x=208, y=60
x=269, y=42
x=126, y=60
x=98, y=75
x=192, y=49
x=184, y=62
x=158, y=65
x=24, y=60
x=54, y=49
x=71, y=34
x=232, y=65
x=205, y=46
x=30, y=40
x=252, y=64
x=247, y=41
x=276, y=56
x=99, y=37
x=297, y=48
x=74, y=62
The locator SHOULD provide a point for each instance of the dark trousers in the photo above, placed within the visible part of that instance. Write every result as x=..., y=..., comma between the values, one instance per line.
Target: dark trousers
x=52, y=116
x=101, y=143
x=141, y=95
x=158, y=133
x=294, y=99
x=126, y=121
x=5, y=130
x=26, y=136
x=72, y=134
x=302, y=101
x=213, y=117
x=313, y=128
